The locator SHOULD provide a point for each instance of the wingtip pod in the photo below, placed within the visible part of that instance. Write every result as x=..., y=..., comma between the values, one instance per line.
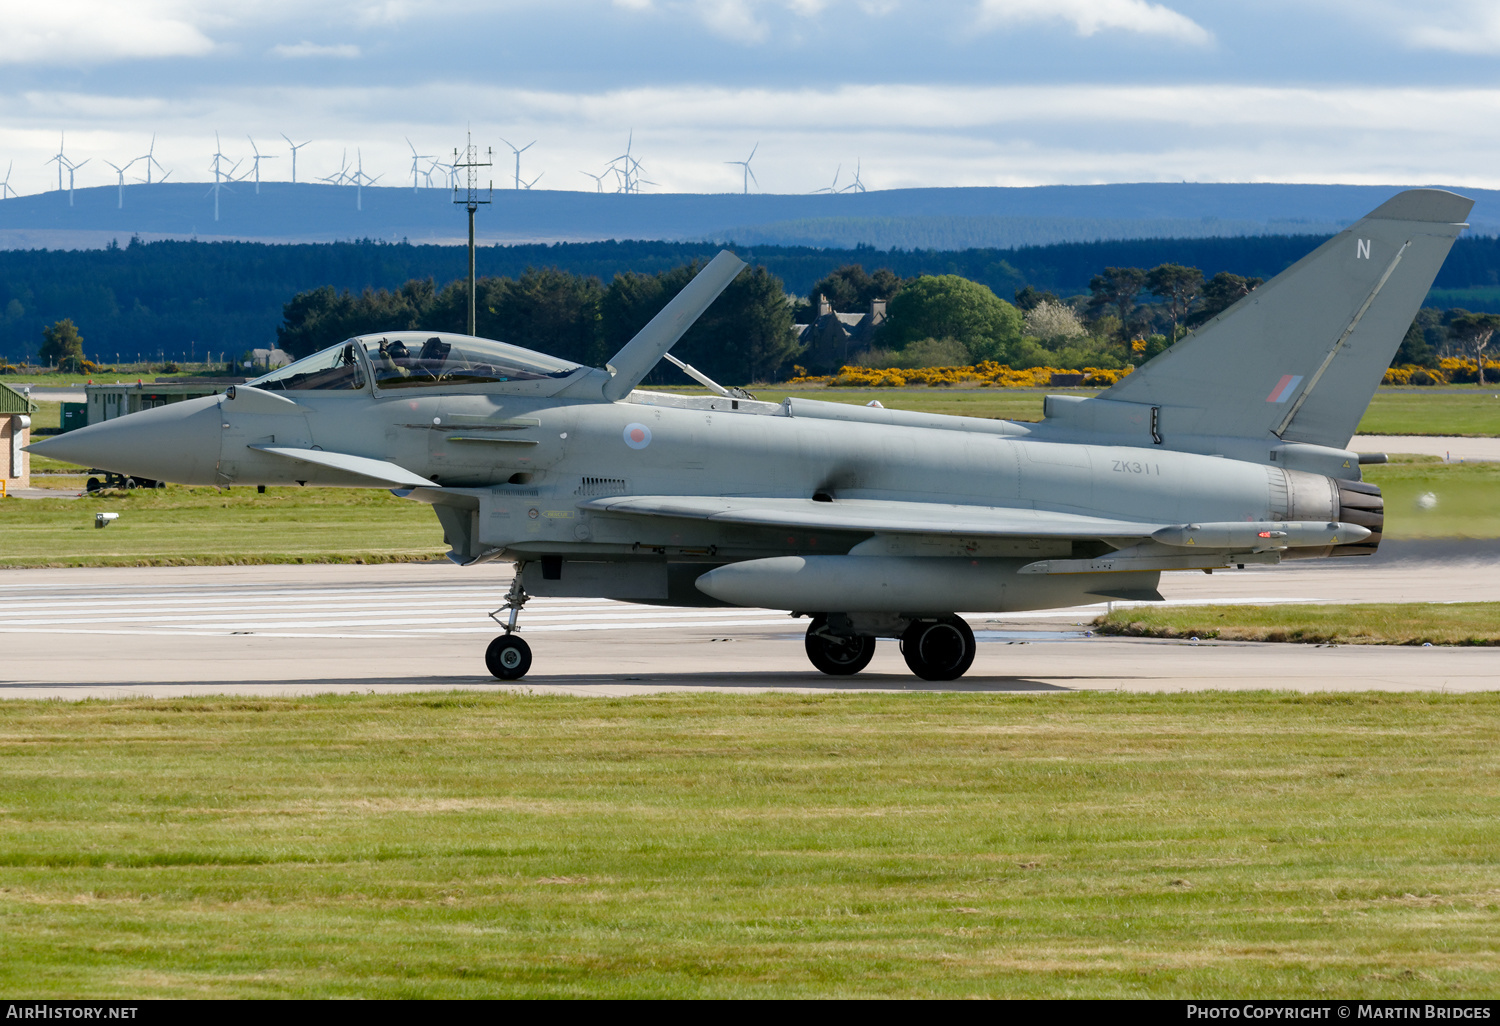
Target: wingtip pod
x=1435, y=205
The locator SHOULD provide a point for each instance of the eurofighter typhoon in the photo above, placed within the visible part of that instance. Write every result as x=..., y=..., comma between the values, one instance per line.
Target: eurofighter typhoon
x=1228, y=449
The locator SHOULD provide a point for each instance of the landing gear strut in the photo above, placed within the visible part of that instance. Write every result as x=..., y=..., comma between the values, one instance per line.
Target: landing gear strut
x=941, y=649
x=508, y=657
x=837, y=654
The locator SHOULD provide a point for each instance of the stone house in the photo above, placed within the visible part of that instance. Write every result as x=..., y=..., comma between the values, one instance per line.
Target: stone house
x=833, y=339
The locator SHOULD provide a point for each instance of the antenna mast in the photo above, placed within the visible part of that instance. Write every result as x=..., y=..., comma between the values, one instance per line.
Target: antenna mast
x=472, y=163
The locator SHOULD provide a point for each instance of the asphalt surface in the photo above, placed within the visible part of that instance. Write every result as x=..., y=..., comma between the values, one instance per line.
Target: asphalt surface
x=1451, y=447
x=282, y=630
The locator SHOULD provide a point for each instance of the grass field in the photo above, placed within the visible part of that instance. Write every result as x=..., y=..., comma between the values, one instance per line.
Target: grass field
x=182, y=526
x=1467, y=497
x=468, y=845
x=1374, y=623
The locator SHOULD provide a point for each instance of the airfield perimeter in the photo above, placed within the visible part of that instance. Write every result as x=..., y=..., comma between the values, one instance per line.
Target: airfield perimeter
x=287, y=630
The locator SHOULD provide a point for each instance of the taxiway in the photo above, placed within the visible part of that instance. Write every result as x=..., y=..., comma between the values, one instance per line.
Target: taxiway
x=268, y=630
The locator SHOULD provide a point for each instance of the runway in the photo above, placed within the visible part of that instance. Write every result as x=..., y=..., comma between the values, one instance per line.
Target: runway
x=270, y=630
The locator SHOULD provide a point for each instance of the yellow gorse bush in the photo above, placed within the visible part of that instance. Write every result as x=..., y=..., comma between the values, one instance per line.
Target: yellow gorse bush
x=987, y=374
x=1450, y=370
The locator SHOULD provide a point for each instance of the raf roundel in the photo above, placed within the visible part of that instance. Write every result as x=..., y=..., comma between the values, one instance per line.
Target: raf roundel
x=637, y=436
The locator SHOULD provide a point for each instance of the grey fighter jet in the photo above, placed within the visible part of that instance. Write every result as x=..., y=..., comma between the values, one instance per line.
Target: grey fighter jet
x=1228, y=449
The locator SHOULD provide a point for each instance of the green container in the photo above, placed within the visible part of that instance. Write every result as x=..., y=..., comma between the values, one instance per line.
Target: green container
x=74, y=415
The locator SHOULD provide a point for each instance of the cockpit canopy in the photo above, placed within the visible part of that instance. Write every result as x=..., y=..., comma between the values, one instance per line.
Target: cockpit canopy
x=415, y=359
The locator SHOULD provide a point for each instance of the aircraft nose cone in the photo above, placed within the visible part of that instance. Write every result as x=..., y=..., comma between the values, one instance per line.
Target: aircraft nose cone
x=178, y=442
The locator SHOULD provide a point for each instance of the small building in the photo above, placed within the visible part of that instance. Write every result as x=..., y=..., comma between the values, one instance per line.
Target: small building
x=267, y=359
x=106, y=402
x=15, y=434
x=833, y=339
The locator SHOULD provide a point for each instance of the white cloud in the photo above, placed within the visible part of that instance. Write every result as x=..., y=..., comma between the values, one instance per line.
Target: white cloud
x=739, y=21
x=97, y=31
x=733, y=20
x=1478, y=33
x=306, y=49
x=1089, y=17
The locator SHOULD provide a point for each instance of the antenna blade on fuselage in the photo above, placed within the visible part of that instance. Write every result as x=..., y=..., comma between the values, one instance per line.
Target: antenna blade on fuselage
x=633, y=362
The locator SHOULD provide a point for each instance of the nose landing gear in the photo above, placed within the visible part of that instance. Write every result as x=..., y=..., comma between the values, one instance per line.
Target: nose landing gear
x=508, y=657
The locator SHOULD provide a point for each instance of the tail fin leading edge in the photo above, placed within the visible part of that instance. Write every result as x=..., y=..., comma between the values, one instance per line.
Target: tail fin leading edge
x=1300, y=357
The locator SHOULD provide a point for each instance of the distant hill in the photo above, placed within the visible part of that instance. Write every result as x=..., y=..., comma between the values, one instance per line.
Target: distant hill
x=948, y=219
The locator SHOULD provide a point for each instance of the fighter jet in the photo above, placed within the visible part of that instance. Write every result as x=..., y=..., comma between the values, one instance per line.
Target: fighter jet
x=1226, y=450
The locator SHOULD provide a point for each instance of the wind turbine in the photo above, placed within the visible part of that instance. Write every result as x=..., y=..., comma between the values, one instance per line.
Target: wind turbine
x=150, y=158
x=295, y=147
x=835, y=186
x=451, y=170
x=361, y=180
x=598, y=179
x=220, y=175
x=518, y=153
x=749, y=175
x=415, y=156
x=527, y=185
x=629, y=173
x=71, y=169
x=339, y=177
x=856, y=185
x=61, y=159
x=256, y=167
x=5, y=188
x=121, y=172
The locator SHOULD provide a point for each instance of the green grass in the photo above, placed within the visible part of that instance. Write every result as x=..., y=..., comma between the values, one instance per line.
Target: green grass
x=483, y=845
x=1467, y=495
x=1375, y=623
x=205, y=526
x=1452, y=410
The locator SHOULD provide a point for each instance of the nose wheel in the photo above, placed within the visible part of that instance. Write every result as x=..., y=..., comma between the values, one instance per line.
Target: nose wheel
x=508, y=657
x=938, y=649
x=838, y=655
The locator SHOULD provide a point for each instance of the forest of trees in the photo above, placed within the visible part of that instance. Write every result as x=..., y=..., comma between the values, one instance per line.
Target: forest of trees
x=172, y=300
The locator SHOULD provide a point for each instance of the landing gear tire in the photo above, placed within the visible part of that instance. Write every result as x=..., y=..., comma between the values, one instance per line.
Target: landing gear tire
x=508, y=657
x=938, y=650
x=834, y=654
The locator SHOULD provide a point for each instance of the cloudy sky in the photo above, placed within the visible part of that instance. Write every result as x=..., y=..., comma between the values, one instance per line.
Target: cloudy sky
x=968, y=92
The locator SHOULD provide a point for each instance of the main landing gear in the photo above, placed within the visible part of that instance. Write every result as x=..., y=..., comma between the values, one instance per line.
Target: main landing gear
x=838, y=655
x=935, y=648
x=508, y=657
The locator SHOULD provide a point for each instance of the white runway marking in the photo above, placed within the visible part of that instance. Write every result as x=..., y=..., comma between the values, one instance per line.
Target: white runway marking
x=390, y=612
x=313, y=612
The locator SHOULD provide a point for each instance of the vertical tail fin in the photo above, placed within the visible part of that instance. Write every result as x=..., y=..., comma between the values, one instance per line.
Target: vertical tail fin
x=1300, y=357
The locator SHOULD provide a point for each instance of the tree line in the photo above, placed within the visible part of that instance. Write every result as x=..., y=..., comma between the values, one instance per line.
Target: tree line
x=160, y=300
